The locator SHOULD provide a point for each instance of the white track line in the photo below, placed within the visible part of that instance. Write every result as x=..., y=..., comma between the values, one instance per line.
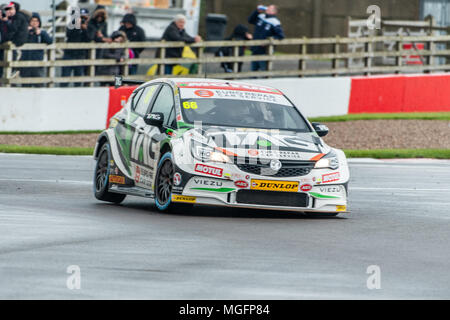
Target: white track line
x=49, y=181
x=399, y=189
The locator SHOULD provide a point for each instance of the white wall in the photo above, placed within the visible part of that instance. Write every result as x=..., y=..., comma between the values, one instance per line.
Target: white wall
x=58, y=109
x=314, y=96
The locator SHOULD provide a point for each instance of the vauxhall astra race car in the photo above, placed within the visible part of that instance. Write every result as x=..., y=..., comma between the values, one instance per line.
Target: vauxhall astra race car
x=221, y=143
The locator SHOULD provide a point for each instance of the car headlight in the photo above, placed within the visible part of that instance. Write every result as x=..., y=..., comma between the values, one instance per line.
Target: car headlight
x=331, y=162
x=206, y=153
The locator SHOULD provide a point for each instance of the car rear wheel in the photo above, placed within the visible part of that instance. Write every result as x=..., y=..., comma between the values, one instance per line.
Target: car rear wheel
x=101, y=177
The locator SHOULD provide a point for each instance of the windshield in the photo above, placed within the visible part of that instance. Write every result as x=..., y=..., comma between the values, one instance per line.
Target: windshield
x=243, y=113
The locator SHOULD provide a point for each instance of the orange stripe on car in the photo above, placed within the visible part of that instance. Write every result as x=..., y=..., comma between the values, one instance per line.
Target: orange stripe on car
x=317, y=157
x=228, y=153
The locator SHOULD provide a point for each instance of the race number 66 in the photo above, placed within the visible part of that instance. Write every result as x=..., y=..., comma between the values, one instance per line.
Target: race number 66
x=190, y=105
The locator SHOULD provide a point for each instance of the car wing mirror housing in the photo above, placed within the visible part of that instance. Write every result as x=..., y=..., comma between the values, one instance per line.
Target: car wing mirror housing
x=155, y=119
x=321, y=129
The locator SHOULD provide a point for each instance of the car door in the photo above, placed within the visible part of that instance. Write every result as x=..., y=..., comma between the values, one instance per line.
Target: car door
x=130, y=129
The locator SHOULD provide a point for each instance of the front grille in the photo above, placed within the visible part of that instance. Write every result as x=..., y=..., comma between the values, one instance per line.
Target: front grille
x=272, y=198
x=288, y=169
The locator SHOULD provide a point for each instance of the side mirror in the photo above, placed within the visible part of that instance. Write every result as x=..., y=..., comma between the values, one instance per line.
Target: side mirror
x=155, y=119
x=321, y=129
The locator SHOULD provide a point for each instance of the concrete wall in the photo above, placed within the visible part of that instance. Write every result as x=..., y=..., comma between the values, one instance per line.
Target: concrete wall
x=36, y=109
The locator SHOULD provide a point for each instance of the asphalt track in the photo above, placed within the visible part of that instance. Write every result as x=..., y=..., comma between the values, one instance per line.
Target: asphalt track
x=50, y=220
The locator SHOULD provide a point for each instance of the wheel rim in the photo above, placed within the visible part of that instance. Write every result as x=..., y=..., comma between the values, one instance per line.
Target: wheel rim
x=101, y=172
x=165, y=182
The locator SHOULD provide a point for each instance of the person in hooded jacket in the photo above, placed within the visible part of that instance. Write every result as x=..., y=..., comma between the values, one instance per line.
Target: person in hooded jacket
x=98, y=27
x=240, y=32
x=134, y=34
x=119, y=55
x=35, y=35
x=19, y=21
x=75, y=35
x=7, y=30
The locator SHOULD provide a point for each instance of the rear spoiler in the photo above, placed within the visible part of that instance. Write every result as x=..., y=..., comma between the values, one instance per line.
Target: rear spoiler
x=119, y=81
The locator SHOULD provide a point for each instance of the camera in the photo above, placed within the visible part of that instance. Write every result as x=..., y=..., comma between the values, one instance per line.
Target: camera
x=2, y=14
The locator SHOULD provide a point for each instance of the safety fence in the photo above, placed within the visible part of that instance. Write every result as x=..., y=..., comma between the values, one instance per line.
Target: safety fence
x=410, y=54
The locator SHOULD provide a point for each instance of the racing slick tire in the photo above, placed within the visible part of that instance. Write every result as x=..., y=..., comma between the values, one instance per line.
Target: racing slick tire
x=101, y=177
x=164, y=185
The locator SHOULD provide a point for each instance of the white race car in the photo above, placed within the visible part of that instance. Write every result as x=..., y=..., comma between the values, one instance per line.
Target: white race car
x=221, y=143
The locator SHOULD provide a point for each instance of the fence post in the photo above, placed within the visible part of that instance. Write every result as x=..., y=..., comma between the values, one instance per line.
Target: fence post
x=162, y=55
x=7, y=59
x=368, y=58
x=126, y=66
x=235, y=55
x=271, y=52
x=200, y=56
x=51, y=69
x=302, y=62
x=91, y=67
x=335, y=60
x=398, y=58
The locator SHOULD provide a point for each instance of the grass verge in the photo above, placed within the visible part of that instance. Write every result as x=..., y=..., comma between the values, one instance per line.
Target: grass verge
x=399, y=153
x=385, y=116
x=46, y=150
x=377, y=153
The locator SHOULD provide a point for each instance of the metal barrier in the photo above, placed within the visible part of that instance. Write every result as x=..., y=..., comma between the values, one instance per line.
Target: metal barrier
x=337, y=60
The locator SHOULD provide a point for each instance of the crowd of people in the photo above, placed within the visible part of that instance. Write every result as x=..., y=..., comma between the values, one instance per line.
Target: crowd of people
x=21, y=27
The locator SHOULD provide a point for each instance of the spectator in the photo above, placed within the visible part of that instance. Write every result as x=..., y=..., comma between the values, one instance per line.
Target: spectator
x=7, y=31
x=117, y=54
x=35, y=35
x=98, y=27
x=75, y=35
x=134, y=34
x=19, y=21
x=266, y=25
x=240, y=32
x=175, y=32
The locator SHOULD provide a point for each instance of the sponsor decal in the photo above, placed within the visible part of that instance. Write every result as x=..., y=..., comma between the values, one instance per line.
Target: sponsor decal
x=177, y=179
x=116, y=179
x=204, y=93
x=207, y=182
x=137, y=175
x=180, y=198
x=330, y=177
x=228, y=86
x=143, y=176
x=341, y=208
x=333, y=189
x=212, y=171
x=269, y=185
x=306, y=187
x=253, y=152
x=241, y=184
x=178, y=117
